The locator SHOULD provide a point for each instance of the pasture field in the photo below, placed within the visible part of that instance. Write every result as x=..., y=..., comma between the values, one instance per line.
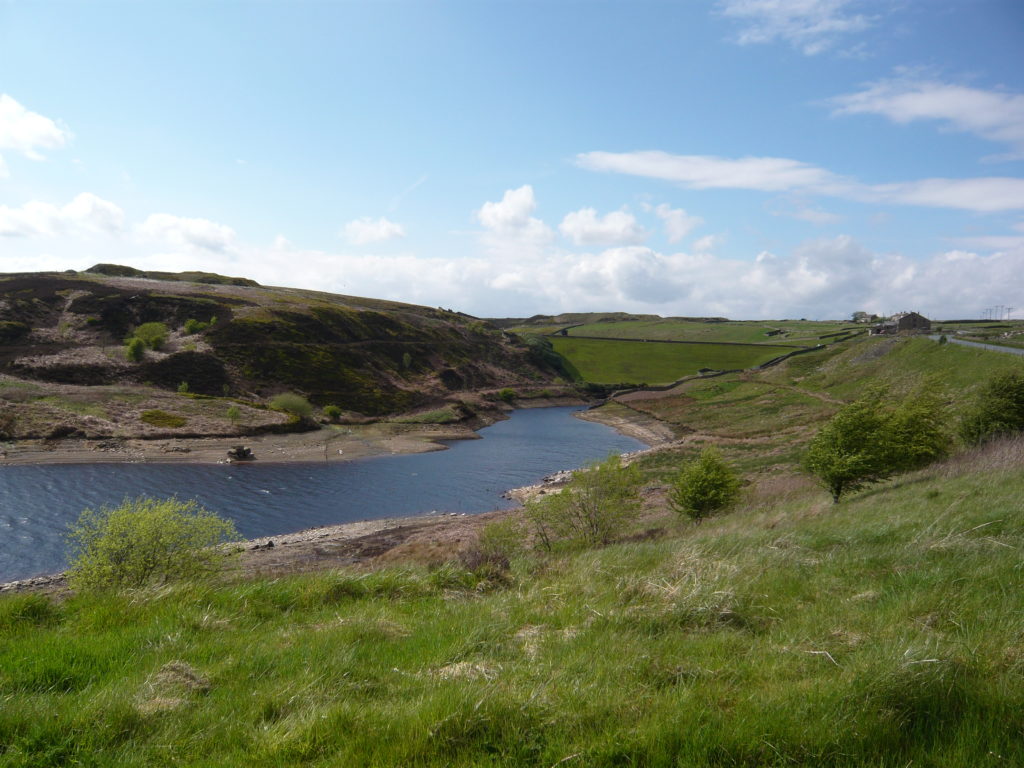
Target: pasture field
x=794, y=332
x=614, y=362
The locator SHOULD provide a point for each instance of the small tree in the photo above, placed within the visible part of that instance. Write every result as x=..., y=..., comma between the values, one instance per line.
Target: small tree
x=153, y=335
x=234, y=414
x=292, y=403
x=145, y=541
x=592, y=509
x=332, y=412
x=998, y=410
x=852, y=449
x=704, y=486
x=135, y=349
x=870, y=440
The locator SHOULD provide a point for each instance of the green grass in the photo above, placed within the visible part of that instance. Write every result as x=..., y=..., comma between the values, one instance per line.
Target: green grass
x=794, y=332
x=445, y=415
x=159, y=418
x=613, y=362
x=885, y=631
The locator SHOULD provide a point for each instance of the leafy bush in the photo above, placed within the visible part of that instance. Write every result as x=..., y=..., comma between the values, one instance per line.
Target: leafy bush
x=507, y=394
x=593, y=509
x=145, y=541
x=234, y=414
x=703, y=486
x=291, y=403
x=870, y=440
x=332, y=412
x=183, y=388
x=998, y=410
x=193, y=326
x=163, y=419
x=134, y=349
x=153, y=335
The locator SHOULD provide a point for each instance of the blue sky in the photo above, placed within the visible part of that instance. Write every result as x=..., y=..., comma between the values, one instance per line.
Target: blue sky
x=746, y=158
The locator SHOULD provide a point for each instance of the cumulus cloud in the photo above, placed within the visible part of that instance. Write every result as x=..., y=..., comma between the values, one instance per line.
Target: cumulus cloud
x=27, y=132
x=85, y=214
x=993, y=115
x=510, y=229
x=678, y=223
x=367, y=230
x=201, y=234
x=585, y=227
x=774, y=174
x=810, y=26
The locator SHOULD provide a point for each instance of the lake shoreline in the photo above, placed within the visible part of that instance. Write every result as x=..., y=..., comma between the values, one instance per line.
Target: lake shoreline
x=329, y=444
x=423, y=538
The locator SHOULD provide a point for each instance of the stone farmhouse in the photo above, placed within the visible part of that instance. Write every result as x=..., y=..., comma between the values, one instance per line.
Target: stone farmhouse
x=903, y=322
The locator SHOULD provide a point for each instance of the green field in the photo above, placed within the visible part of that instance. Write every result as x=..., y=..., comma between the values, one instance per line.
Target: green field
x=615, y=362
x=794, y=332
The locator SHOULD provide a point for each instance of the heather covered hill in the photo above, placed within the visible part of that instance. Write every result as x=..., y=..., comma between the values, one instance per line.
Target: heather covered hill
x=228, y=337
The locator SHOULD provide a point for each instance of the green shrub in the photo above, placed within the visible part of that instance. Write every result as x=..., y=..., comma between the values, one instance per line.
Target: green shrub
x=998, y=410
x=163, y=419
x=145, y=541
x=234, y=414
x=292, y=403
x=183, y=388
x=704, y=486
x=507, y=394
x=332, y=412
x=134, y=349
x=593, y=509
x=870, y=440
x=195, y=326
x=153, y=335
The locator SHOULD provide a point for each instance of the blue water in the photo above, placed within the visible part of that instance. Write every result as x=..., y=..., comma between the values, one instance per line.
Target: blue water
x=38, y=502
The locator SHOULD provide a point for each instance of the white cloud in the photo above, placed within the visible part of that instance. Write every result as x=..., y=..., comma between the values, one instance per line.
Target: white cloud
x=706, y=244
x=510, y=229
x=768, y=174
x=27, y=132
x=86, y=213
x=774, y=174
x=992, y=115
x=822, y=278
x=810, y=26
x=809, y=214
x=201, y=234
x=585, y=227
x=678, y=223
x=983, y=195
x=367, y=230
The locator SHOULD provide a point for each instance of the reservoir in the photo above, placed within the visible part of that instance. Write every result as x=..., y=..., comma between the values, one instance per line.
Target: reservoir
x=38, y=502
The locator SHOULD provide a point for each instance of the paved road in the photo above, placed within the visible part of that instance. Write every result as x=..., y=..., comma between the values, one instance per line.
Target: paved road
x=992, y=347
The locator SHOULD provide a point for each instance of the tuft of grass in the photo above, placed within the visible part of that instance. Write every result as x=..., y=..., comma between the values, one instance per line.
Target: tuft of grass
x=158, y=418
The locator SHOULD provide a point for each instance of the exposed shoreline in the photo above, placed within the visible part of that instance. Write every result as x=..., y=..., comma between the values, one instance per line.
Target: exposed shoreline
x=428, y=537
x=329, y=444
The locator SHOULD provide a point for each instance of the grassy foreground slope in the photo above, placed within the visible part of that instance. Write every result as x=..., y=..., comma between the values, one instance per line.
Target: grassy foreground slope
x=887, y=630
